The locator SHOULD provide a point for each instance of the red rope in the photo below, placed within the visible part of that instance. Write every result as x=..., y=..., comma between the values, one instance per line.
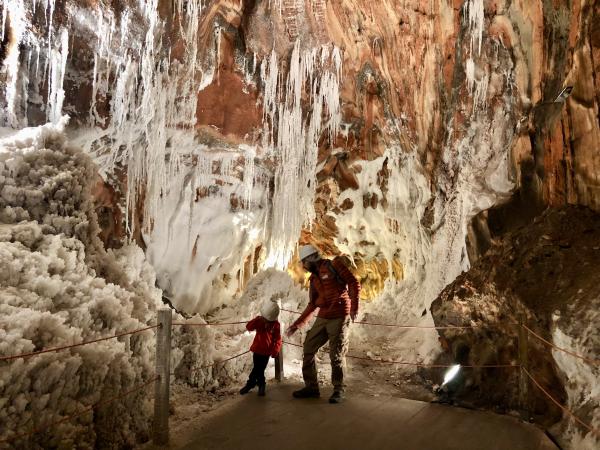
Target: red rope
x=55, y=349
x=207, y=324
x=485, y=366
x=83, y=411
x=595, y=362
x=449, y=327
x=557, y=403
x=225, y=360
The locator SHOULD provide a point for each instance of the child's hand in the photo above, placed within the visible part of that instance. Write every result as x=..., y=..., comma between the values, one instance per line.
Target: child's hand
x=291, y=330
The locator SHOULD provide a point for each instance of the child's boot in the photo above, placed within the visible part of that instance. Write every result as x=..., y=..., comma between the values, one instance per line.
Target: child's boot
x=249, y=386
x=261, y=390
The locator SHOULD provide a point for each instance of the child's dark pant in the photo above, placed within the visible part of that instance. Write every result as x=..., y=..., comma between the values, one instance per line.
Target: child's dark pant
x=257, y=376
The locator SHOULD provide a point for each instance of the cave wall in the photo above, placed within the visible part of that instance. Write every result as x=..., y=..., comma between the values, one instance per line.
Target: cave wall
x=445, y=109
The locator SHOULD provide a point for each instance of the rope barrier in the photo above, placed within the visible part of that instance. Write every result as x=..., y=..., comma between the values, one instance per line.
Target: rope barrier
x=225, y=360
x=594, y=362
x=56, y=349
x=423, y=327
x=207, y=324
x=484, y=366
x=565, y=409
x=80, y=413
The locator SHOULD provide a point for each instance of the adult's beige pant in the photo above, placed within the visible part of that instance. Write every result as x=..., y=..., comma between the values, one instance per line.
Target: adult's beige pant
x=336, y=332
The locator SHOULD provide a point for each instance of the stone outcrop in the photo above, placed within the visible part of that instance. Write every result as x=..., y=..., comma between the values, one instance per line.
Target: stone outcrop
x=547, y=276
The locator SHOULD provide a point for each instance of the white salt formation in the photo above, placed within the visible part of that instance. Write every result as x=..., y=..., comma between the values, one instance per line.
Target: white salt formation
x=58, y=286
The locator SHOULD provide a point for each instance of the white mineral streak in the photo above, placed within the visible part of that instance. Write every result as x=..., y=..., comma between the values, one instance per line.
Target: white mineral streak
x=293, y=129
x=58, y=66
x=477, y=78
x=15, y=12
x=475, y=19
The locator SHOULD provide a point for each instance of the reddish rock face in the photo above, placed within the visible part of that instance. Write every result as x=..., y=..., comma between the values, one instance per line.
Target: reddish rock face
x=110, y=217
x=431, y=77
x=228, y=103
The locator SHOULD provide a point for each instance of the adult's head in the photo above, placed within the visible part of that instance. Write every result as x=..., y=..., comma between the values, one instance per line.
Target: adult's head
x=309, y=256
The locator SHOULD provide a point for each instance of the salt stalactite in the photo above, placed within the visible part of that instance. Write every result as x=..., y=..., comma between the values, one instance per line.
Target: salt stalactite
x=475, y=18
x=15, y=12
x=294, y=126
x=58, y=66
x=477, y=80
x=477, y=84
x=153, y=100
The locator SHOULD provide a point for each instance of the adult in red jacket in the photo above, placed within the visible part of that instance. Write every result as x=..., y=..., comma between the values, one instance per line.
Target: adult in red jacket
x=267, y=343
x=334, y=291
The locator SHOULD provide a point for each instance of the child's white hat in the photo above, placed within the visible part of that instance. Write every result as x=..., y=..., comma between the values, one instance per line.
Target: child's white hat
x=270, y=310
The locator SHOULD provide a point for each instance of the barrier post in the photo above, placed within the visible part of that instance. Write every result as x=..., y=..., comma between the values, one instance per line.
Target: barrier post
x=163, y=372
x=279, y=365
x=523, y=378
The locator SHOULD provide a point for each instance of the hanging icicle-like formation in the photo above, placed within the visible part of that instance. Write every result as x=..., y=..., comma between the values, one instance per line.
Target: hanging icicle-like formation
x=16, y=12
x=153, y=100
x=58, y=66
x=24, y=52
x=475, y=20
x=151, y=96
x=477, y=80
x=294, y=123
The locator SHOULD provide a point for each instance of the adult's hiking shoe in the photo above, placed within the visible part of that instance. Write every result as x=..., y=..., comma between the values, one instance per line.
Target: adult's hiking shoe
x=307, y=393
x=336, y=397
x=261, y=390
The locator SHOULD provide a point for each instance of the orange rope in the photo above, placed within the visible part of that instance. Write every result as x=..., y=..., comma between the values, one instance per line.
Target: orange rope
x=83, y=411
x=449, y=327
x=595, y=362
x=419, y=364
x=207, y=324
x=225, y=360
x=557, y=403
x=55, y=349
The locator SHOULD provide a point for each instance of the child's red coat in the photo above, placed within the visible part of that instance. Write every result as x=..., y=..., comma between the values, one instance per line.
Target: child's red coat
x=268, y=336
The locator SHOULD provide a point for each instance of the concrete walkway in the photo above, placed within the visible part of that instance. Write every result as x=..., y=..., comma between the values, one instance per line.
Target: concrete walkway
x=278, y=421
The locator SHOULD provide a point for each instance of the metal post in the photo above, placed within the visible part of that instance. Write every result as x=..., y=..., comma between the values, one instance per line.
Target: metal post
x=279, y=365
x=523, y=378
x=163, y=372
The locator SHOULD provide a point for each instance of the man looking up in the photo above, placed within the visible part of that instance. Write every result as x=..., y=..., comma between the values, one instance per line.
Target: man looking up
x=334, y=291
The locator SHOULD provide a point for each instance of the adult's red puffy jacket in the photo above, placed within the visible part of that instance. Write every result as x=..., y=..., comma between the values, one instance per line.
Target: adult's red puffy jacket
x=334, y=290
x=268, y=336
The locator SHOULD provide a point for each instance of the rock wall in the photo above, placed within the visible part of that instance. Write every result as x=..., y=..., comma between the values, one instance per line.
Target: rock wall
x=460, y=93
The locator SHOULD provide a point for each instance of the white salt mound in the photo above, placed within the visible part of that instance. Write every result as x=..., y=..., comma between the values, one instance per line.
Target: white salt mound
x=58, y=286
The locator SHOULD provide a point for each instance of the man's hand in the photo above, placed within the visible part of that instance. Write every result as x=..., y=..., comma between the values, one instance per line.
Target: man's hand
x=353, y=315
x=291, y=330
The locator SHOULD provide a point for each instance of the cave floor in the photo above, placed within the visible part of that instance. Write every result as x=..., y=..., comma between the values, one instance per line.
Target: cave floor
x=363, y=421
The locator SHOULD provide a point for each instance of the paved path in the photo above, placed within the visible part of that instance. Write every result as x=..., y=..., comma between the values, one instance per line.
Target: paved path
x=278, y=421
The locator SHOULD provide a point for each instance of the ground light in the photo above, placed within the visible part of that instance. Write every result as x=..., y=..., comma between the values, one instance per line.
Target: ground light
x=450, y=374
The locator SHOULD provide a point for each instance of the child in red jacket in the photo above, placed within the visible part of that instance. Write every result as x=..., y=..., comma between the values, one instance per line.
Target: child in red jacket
x=267, y=343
